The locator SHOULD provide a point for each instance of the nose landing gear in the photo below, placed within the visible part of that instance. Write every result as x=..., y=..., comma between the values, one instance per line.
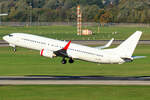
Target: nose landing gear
x=14, y=49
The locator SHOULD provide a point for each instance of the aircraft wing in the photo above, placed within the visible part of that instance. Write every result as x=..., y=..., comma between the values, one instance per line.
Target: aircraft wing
x=107, y=45
x=63, y=52
x=138, y=57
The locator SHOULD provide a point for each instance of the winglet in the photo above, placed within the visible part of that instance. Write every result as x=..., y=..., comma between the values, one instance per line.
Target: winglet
x=67, y=46
x=107, y=45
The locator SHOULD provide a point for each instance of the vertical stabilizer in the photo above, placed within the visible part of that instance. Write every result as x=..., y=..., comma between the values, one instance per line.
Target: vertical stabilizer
x=126, y=49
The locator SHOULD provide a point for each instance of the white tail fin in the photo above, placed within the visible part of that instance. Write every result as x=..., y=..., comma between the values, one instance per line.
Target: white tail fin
x=126, y=49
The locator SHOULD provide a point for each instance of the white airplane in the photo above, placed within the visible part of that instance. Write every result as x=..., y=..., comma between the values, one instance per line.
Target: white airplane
x=52, y=48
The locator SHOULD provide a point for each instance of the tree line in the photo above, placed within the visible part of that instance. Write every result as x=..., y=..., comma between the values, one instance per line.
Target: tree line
x=101, y=11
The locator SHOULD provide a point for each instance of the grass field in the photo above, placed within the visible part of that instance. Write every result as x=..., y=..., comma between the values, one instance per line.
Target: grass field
x=29, y=62
x=74, y=92
x=69, y=32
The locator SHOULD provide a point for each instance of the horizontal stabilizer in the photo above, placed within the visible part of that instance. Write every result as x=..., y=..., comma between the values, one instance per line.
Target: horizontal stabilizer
x=138, y=57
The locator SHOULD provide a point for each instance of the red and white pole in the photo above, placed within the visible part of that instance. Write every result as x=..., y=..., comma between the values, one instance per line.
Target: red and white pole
x=79, y=21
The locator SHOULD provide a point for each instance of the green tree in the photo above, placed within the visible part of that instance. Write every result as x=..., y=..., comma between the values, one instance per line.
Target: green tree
x=53, y=4
x=95, y=2
x=105, y=18
x=89, y=12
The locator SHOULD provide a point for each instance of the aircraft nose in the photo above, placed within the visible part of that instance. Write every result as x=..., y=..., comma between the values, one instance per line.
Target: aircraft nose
x=5, y=37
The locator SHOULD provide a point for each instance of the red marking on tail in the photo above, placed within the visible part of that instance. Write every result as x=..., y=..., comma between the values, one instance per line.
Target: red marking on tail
x=67, y=46
x=42, y=52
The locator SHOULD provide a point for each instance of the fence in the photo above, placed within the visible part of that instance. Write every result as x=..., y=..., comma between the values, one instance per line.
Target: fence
x=73, y=24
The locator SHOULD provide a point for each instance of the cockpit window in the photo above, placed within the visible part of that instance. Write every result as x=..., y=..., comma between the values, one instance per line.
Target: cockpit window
x=10, y=35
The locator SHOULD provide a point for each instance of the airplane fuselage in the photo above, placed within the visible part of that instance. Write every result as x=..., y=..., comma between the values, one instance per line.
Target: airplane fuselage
x=74, y=51
x=52, y=48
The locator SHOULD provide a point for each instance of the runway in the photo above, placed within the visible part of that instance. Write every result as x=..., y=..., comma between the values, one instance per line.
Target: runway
x=73, y=80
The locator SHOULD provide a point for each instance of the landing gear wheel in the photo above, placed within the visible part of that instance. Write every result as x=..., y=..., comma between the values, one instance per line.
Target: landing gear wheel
x=71, y=61
x=64, y=61
x=14, y=49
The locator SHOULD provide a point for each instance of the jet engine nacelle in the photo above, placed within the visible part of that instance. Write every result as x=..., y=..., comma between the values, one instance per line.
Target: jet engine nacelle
x=47, y=53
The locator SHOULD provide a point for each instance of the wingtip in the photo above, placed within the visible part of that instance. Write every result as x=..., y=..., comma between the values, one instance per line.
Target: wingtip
x=140, y=32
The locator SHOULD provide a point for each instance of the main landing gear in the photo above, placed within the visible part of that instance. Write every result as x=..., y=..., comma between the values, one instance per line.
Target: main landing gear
x=64, y=61
x=71, y=61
